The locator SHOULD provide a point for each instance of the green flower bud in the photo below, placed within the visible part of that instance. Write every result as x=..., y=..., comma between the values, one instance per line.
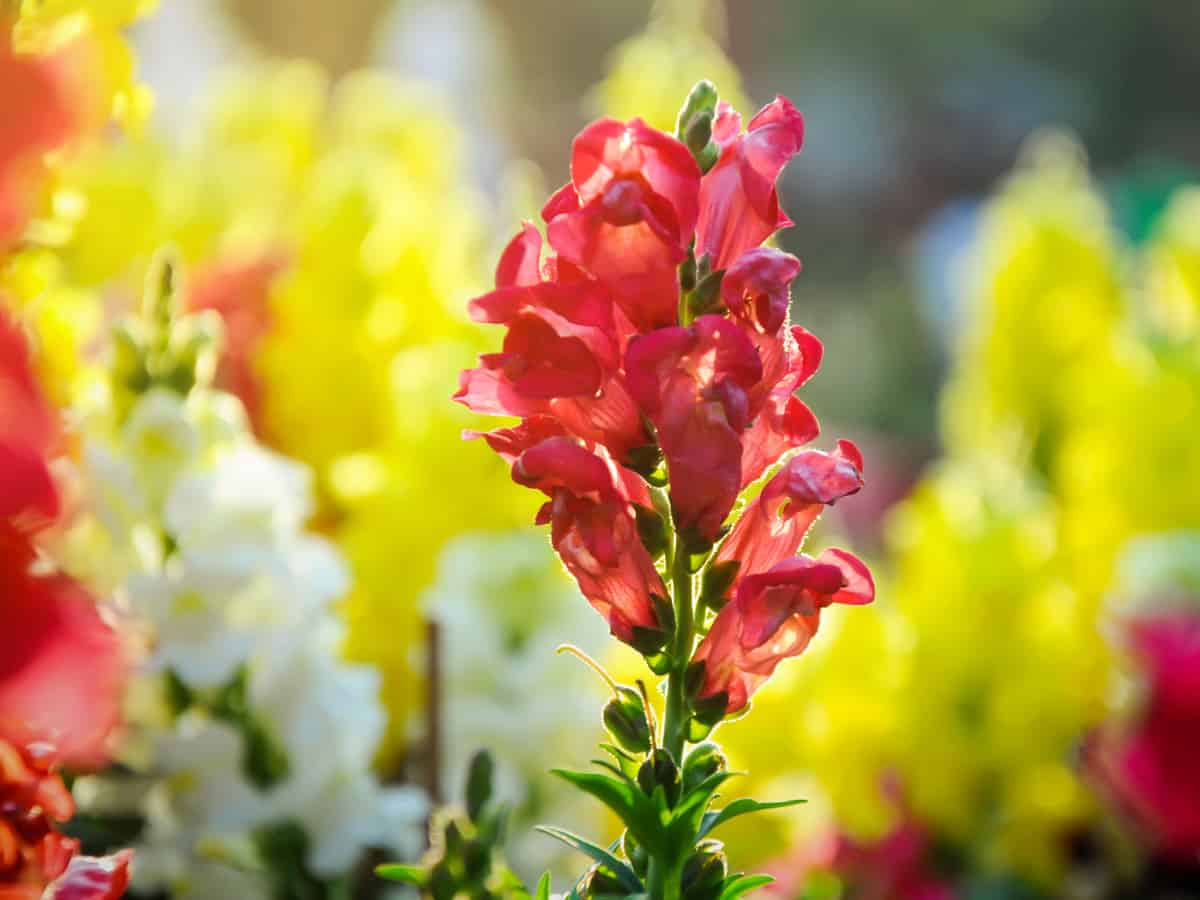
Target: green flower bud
x=698, y=133
x=659, y=770
x=479, y=784
x=599, y=881
x=703, y=761
x=704, y=871
x=700, y=102
x=625, y=719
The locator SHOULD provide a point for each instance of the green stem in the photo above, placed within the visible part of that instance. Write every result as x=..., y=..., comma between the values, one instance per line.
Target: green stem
x=675, y=726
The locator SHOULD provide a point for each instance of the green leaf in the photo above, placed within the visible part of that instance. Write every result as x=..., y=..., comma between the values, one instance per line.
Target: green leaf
x=479, y=784
x=625, y=799
x=740, y=808
x=737, y=885
x=686, y=826
x=620, y=869
x=409, y=874
x=543, y=887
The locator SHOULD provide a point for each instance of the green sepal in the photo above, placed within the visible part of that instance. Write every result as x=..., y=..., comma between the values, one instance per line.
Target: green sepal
x=698, y=731
x=742, y=807
x=618, y=867
x=664, y=613
x=405, y=873
x=659, y=663
x=705, y=298
x=648, y=641
x=625, y=718
x=715, y=583
x=737, y=885
x=652, y=530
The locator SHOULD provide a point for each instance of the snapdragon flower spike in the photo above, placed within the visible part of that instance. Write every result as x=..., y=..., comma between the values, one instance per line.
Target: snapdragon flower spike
x=693, y=384
x=739, y=205
x=774, y=616
x=593, y=527
x=628, y=215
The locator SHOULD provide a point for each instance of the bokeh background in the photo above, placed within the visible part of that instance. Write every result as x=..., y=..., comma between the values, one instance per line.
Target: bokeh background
x=996, y=213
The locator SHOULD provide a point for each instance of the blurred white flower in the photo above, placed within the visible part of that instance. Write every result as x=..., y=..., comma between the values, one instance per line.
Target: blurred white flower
x=159, y=439
x=504, y=604
x=189, y=610
x=226, y=584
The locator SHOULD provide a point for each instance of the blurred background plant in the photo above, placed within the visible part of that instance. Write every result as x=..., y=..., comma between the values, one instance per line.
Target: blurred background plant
x=336, y=219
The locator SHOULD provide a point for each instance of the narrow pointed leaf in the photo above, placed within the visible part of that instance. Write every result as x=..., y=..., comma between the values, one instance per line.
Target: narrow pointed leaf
x=543, y=887
x=621, y=869
x=625, y=799
x=409, y=874
x=739, y=808
x=743, y=884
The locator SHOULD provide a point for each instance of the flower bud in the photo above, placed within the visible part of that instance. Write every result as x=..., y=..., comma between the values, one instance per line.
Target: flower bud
x=701, y=102
x=659, y=770
x=600, y=881
x=479, y=784
x=704, y=871
x=703, y=761
x=625, y=719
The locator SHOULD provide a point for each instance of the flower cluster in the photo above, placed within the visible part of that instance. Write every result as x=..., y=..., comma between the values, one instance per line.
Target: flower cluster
x=651, y=361
x=61, y=665
x=287, y=190
x=241, y=677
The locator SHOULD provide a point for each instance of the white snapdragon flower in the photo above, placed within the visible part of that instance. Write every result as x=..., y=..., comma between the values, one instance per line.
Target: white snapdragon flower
x=503, y=605
x=191, y=613
x=159, y=439
x=239, y=512
x=306, y=695
x=222, y=578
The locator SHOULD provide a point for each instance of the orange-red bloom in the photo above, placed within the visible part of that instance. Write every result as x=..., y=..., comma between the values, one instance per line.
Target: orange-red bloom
x=36, y=115
x=61, y=664
x=36, y=861
x=774, y=616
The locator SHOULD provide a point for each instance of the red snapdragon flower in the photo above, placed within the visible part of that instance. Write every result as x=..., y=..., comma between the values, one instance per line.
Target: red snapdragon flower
x=61, y=664
x=739, y=206
x=239, y=291
x=561, y=354
x=774, y=616
x=593, y=526
x=693, y=384
x=773, y=526
x=36, y=861
x=628, y=215
x=1149, y=764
